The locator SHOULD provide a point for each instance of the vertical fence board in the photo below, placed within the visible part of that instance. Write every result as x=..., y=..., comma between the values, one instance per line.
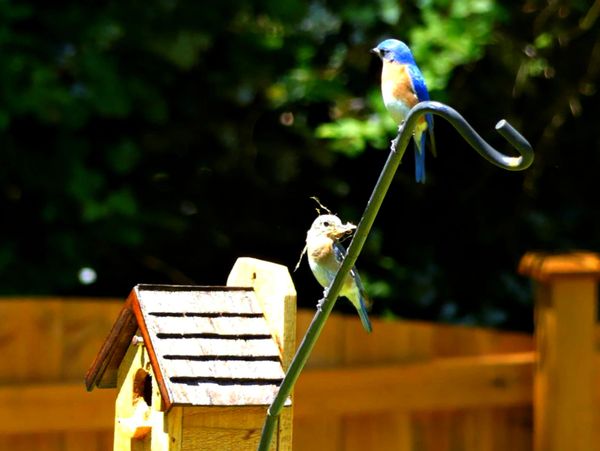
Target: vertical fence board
x=326, y=432
x=384, y=431
x=566, y=373
x=84, y=329
x=49, y=340
x=27, y=329
x=33, y=442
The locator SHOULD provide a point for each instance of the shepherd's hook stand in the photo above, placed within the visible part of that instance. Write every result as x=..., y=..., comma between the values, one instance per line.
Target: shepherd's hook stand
x=385, y=179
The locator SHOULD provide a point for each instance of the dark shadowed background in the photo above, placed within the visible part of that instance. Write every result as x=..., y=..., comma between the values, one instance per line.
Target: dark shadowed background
x=158, y=141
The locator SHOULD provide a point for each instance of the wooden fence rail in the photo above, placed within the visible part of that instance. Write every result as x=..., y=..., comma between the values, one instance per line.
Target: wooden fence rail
x=408, y=386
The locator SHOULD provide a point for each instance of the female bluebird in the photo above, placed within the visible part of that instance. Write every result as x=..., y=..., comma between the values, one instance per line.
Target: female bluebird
x=325, y=255
x=402, y=87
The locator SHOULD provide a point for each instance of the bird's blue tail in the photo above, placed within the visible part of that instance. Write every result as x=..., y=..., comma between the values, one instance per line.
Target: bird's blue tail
x=362, y=313
x=420, y=159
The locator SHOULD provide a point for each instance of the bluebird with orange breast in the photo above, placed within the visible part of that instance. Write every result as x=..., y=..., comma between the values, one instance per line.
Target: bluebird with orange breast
x=325, y=256
x=402, y=87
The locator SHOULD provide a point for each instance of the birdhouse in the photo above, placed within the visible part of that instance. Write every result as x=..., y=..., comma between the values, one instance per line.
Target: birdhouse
x=196, y=367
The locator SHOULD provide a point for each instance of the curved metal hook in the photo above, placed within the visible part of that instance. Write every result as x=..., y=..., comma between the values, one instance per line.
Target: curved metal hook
x=472, y=137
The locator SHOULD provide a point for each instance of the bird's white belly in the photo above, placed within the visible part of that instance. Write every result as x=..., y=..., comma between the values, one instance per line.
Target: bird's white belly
x=321, y=273
x=397, y=109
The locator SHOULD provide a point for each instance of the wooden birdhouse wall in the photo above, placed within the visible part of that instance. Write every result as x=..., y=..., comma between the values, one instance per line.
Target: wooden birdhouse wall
x=141, y=423
x=140, y=420
x=226, y=428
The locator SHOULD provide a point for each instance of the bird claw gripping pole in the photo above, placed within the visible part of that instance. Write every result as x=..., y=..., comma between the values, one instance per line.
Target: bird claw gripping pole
x=398, y=148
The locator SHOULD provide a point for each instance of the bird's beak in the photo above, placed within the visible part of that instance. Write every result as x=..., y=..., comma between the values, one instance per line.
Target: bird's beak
x=344, y=229
x=376, y=51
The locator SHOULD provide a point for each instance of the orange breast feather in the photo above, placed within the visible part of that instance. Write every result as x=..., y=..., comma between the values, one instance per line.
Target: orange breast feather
x=320, y=250
x=396, y=80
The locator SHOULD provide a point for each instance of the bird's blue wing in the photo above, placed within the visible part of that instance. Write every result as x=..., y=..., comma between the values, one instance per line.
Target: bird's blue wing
x=339, y=252
x=422, y=93
x=418, y=82
x=420, y=89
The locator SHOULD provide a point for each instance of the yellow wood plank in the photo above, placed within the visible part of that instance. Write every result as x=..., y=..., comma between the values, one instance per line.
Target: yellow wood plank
x=284, y=429
x=546, y=266
x=211, y=428
x=596, y=446
x=432, y=431
x=516, y=430
x=221, y=417
x=50, y=441
x=442, y=384
x=389, y=342
x=166, y=427
x=360, y=432
x=54, y=407
x=175, y=428
x=318, y=433
x=132, y=413
x=86, y=441
x=454, y=341
x=209, y=439
x=276, y=294
x=343, y=342
x=85, y=325
x=566, y=374
x=28, y=328
x=384, y=431
x=476, y=429
x=329, y=349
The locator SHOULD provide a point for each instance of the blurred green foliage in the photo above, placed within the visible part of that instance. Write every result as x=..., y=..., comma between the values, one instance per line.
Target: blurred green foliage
x=159, y=141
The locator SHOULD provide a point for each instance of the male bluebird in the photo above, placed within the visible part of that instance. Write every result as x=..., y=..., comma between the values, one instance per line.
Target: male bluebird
x=325, y=255
x=402, y=87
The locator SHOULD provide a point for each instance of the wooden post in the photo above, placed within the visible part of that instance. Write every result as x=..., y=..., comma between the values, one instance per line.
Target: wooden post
x=276, y=294
x=275, y=291
x=565, y=319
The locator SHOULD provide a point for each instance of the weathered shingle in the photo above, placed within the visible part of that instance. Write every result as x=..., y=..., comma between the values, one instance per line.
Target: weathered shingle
x=208, y=345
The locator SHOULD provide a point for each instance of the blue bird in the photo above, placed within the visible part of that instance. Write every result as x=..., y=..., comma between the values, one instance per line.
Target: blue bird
x=402, y=87
x=325, y=255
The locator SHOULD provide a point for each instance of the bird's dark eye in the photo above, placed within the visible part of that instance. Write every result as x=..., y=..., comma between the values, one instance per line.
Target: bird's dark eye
x=383, y=52
x=326, y=224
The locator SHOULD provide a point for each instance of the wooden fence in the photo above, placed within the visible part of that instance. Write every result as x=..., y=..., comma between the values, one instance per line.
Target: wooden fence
x=407, y=386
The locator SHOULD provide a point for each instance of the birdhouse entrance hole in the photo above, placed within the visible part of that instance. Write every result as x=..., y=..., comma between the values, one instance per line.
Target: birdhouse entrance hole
x=142, y=387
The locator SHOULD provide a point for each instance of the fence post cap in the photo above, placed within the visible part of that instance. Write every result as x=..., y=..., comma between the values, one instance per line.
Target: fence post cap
x=545, y=266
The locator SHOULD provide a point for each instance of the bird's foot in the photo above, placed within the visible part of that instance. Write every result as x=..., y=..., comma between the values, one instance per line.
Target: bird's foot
x=322, y=300
x=320, y=304
x=394, y=142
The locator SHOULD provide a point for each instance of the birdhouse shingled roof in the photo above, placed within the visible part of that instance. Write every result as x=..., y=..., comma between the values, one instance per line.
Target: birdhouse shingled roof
x=207, y=345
